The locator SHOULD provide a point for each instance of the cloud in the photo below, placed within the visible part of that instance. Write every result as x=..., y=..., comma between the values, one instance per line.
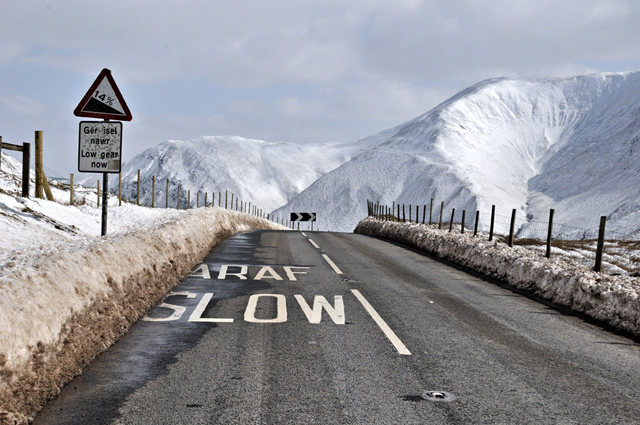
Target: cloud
x=21, y=105
x=301, y=71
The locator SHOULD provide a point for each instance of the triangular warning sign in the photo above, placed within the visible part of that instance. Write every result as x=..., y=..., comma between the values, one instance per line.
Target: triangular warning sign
x=103, y=100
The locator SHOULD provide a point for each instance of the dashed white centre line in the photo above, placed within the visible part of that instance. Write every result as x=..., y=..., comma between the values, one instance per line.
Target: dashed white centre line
x=313, y=243
x=391, y=336
x=304, y=234
x=332, y=264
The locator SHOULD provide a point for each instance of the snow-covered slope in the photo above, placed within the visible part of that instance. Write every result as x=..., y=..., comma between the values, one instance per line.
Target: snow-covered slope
x=266, y=174
x=572, y=144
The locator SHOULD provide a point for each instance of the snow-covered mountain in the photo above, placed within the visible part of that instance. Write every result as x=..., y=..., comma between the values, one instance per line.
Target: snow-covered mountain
x=266, y=174
x=572, y=144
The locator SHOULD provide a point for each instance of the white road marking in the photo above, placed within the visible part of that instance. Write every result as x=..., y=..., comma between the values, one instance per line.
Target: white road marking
x=332, y=264
x=313, y=243
x=319, y=302
x=204, y=269
x=178, y=310
x=281, y=310
x=291, y=274
x=304, y=234
x=391, y=336
x=202, y=305
x=224, y=272
x=262, y=274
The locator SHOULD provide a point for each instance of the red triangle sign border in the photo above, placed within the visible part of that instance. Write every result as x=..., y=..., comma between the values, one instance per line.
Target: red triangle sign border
x=79, y=112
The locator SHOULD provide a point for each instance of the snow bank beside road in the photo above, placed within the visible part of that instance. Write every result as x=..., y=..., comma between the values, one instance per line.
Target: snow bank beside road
x=610, y=299
x=61, y=309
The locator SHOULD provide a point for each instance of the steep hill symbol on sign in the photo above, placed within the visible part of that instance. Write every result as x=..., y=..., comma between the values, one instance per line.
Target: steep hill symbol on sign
x=103, y=100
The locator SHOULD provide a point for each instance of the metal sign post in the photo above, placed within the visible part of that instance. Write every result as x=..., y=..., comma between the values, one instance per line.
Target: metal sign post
x=100, y=142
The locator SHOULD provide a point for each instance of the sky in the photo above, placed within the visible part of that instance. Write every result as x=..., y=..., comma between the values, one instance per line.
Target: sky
x=300, y=71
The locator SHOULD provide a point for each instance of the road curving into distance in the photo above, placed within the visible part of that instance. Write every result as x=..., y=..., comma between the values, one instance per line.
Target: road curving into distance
x=280, y=327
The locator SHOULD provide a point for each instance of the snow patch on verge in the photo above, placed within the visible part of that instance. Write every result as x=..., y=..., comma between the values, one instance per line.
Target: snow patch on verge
x=61, y=309
x=613, y=300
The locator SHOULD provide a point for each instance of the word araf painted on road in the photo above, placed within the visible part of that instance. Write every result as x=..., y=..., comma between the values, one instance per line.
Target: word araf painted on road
x=313, y=312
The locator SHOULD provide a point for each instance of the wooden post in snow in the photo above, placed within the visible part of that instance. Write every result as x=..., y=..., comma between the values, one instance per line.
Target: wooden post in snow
x=493, y=219
x=549, y=233
x=39, y=165
x=600, y=248
x=512, y=227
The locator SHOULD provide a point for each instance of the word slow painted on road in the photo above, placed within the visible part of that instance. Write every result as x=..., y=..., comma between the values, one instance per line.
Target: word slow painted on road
x=313, y=313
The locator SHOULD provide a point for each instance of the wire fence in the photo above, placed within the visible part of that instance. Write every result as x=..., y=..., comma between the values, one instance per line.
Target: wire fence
x=617, y=252
x=64, y=192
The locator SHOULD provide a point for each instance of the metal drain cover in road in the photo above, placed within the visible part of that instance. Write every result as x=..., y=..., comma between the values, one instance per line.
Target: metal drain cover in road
x=438, y=396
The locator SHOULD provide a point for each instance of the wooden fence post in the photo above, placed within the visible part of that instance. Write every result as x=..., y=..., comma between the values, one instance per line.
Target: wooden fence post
x=120, y=189
x=198, y=200
x=512, y=227
x=410, y=213
x=188, y=198
x=475, y=227
x=418, y=214
x=462, y=226
x=398, y=218
x=226, y=194
x=441, y=212
x=166, y=200
x=600, y=248
x=98, y=193
x=550, y=233
x=205, y=199
x=178, y=203
x=493, y=219
x=220, y=199
x=453, y=213
x=424, y=214
x=39, y=169
x=430, y=211
x=404, y=217
x=153, y=191
x=47, y=189
x=71, y=189
x=138, y=193
x=26, y=167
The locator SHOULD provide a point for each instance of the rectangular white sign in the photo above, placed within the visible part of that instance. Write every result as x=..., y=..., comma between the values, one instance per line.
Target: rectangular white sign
x=100, y=147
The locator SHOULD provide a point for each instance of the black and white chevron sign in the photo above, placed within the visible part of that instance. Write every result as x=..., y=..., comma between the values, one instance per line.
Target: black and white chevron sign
x=303, y=216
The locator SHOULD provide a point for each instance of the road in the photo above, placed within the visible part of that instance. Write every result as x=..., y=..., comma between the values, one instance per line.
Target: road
x=303, y=328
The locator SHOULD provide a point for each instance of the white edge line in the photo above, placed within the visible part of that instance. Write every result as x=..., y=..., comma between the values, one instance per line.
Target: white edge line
x=332, y=264
x=402, y=349
x=313, y=243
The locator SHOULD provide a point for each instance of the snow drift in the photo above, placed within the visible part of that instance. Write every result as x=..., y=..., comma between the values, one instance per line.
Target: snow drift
x=60, y=309
x=572, y=144
x=609, y=299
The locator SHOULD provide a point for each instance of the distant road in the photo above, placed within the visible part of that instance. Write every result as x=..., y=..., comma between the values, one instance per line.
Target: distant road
x=303, y=328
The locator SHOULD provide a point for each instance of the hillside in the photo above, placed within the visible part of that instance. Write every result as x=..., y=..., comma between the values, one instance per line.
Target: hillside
x=266, y=174
x=571, y=144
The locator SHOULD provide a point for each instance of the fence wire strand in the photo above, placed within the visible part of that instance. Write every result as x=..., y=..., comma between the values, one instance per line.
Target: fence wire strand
x=621, y=249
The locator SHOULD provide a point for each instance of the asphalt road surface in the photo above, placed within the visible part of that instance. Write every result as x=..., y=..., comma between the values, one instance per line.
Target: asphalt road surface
x=304, y=328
